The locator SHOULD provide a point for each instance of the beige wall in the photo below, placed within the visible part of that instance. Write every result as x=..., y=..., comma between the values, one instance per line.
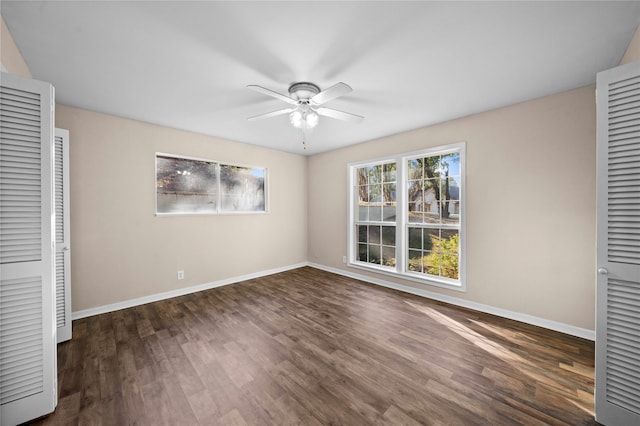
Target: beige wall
x=530, y=204
x=633, y=50
x=121, y=250
x=10, y=57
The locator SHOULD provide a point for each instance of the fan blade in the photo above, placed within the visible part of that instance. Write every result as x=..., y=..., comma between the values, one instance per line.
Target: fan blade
x=269, y=92
x=271, y=114
x=332, y=92
x=340, y=115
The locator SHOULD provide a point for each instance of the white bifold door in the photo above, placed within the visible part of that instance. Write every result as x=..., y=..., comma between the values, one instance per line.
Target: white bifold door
x=27, y=298
x=63, y=240
x=618, y=247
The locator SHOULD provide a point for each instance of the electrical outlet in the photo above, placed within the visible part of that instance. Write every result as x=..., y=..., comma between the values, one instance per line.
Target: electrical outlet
x=181, y=275
x=344, y=259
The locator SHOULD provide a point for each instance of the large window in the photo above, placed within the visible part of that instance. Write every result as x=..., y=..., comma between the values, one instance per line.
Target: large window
x=406, y=215
x=188, y=185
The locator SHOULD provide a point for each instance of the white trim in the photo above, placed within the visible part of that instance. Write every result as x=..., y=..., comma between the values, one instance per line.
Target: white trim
x=401, y=223
x=517, y=316
x=528, y=319
x=179, y=292
x=410, y=276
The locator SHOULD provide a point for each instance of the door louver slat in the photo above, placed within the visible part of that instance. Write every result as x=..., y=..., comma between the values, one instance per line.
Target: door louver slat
x=623, y=345
x=60, y=291
x=63, y=253
x=623, y=172
x=21, y=355
x=59, y=223
x=59, y=192
x=20, y=180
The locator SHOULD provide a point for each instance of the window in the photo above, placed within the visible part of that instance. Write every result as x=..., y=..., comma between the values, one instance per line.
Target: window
x=407, y=216
x=376, y=224
x=188, y=185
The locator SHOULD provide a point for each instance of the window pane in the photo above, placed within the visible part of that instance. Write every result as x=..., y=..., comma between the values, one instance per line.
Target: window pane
x=186, y=186
x=415, y=261
x=389, y=235
x=451, y=213
x=362, y=252
x=389, y=208
x=415, y=168
x=449, y=241
x=450, y=164
x=242, y=188
x=375, y=193
x=449, y=266
x=432, y=167
x=374, y=235
x=430, y=198
x=431, y=190
x=374, y=254
x=362, y=233
x=389, y=172
x=363, y=213
x=388, y=256
x=363, y=194
x=389, y=213
x=414, y=193
x=415, y=238
x=415, y=213
x=450, y=188
x=375, y=174
x=363, y=176
x=432, y=212
x=431, y=239
x=451, y=198
x=432, y=264
x=389, y=192
x=375, y=213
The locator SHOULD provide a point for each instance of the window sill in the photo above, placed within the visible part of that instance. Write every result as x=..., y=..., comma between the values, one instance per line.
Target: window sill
x=160, y=214
x=431, y=281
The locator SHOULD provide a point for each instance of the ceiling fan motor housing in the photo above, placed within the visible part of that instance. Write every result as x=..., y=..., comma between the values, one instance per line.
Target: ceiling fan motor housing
x=303, y=90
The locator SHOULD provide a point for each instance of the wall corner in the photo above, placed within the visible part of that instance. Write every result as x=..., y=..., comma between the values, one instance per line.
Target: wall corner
x=633, y=50
x=11, y=59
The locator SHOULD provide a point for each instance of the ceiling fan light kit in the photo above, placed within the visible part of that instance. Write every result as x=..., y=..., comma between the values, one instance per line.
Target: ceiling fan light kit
x=304, y=118
x=306, y=99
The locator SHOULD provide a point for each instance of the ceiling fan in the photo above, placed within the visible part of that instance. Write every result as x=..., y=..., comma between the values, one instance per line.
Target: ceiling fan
x=307, y=100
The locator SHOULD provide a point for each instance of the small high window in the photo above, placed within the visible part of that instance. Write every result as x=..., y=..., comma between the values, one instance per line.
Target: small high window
x=188, y=185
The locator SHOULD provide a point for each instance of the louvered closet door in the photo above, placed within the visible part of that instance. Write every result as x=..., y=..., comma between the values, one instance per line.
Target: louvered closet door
x=27, y=302
x=618, y=246
x=63, y=240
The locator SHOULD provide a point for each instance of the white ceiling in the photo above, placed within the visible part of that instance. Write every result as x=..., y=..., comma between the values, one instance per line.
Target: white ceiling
x=411, y=64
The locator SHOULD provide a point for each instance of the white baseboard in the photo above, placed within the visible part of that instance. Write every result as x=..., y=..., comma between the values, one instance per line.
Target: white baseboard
x=179, y=292
x=529, y=319
x=517, y=316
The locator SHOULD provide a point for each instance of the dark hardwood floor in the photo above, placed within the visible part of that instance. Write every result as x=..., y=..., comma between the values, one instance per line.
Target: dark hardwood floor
x=309, y=347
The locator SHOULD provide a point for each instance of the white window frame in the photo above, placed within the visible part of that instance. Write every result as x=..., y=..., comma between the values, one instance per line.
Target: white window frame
x=402, y=224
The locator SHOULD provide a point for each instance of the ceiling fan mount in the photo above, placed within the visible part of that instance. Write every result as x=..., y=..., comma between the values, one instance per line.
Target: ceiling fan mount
x=303, y=90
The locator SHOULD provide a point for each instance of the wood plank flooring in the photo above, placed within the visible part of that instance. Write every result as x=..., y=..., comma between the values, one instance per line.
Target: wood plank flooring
x=313, y=348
